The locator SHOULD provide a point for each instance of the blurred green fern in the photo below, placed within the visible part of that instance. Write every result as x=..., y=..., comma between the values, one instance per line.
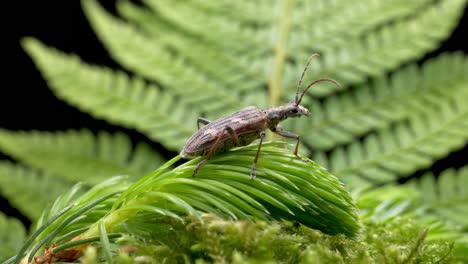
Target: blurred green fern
x=193, y=57
x=80, y=155
x=441, y=204
x=12, y=235
x=28, y=190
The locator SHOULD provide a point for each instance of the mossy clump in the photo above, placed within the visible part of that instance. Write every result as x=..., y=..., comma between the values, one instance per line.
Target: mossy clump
x=212, y=240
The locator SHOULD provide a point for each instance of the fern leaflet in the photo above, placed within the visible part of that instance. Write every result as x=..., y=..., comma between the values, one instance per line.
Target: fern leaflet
x=407, y=147
x=376, y=52
x=12, y=235
x=409, y=92
x=447, y=197
x=152, y=60
x=113, y=96
x=350, y=54
x=80, y=155
x=29, y=191
x=228, y=70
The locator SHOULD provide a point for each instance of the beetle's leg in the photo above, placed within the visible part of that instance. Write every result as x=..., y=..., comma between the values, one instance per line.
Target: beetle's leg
x=280, y=128
x=287, y=134
x=198, y=167
x=253, y=172
x=203, y=121
x=215, y=144
x=233, y=135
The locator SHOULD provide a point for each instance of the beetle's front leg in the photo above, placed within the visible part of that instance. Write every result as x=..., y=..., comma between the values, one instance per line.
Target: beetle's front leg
x=234, y=137
x=253, y=172
x=280, y=128
x=203, y=121
x=286, y=134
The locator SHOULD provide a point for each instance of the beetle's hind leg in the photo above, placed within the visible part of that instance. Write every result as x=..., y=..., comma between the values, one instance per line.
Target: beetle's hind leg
x=253, y=172
x=234, y=137
x=203, y=121
x=199, y=166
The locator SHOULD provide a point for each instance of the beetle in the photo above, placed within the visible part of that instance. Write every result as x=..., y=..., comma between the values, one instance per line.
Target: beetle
x=245, y=126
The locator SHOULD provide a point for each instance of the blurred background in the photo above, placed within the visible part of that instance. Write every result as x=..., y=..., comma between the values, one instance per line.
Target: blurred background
x=26, y=103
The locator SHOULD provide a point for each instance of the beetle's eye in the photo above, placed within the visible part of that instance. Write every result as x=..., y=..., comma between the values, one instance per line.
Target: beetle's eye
x=294, y=111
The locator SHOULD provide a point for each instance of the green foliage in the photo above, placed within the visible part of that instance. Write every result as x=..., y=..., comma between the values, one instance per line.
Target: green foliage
x=27, y=190
x=382, y=36
x=12, y=235
x=447, y=197
x=439, y=205
x=71, y=214
x=446, y=200
x=115, y=96
x=406, y=147
x=408, y=93
x=143, y=53
x=382, y=45
x=343, y=118
x=212, y=240
x=213, y=58
x=285, y=188
x=80, y=155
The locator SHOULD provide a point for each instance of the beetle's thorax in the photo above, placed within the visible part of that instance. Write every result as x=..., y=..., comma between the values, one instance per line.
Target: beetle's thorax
x=280, y=113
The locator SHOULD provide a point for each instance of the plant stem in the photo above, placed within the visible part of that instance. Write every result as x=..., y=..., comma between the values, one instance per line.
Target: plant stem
x=280, y=52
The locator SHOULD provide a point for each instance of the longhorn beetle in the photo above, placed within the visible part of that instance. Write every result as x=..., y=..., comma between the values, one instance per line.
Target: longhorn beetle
x=243, y=127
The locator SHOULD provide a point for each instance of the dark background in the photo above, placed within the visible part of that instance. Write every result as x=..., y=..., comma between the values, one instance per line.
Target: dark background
x=26, y=102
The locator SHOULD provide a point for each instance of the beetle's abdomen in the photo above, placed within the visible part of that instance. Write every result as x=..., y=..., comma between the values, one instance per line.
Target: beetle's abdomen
x=222, y=146
x=247, y=123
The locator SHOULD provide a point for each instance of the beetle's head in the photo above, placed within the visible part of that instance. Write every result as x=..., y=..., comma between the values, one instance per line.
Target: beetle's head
x=293, y=110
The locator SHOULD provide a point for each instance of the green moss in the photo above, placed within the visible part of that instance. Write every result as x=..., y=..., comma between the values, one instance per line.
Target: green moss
x=219, y=241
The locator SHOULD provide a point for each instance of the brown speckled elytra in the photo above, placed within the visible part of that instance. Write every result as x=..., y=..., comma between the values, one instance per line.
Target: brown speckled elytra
x=245, y=126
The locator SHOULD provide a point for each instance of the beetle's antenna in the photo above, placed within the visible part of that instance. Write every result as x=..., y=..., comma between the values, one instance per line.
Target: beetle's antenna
x=315, y=82
x=302, y=76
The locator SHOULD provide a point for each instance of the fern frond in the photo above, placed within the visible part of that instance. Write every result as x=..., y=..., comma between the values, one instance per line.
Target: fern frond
x=246, y=13
x=80, y=155
x=407, y=147
x=375, y=52
x=12, y=235
x=409, y=92
x=351, y=53
x=113, y=96
x=447, y=197
x=336, y=21
x=285, y=188
x=183, y=53
x=151, y=59
x=236, y=38
x=223, y=67
x=29, y=191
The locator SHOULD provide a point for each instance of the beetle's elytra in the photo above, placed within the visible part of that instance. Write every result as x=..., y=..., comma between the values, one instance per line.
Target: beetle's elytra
x=246, y=125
